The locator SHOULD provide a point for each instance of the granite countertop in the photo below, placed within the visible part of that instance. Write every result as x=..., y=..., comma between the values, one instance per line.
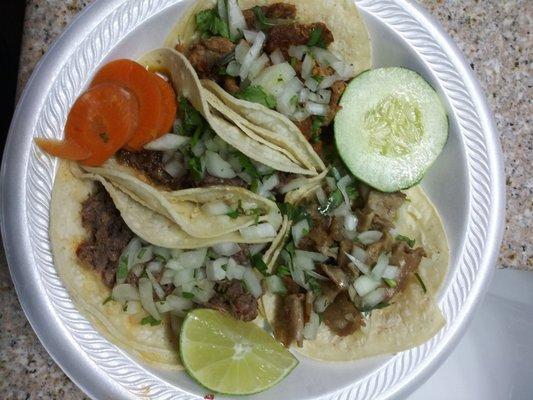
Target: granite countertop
x=495, y=37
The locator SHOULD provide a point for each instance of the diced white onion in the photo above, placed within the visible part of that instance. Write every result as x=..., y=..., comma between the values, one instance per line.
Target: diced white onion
x=258, y=66
x=252, y=55
x=268, y=184
x=303, y=262
x=233, y=68
x=381, y=265
x=184, y=276
x=200, y=274
x=144, y=255
x=234, y=270
x=273, y=79
x=342, y=184
x=391, y=272
x=178, y=304
x=350, y=222
x=311, y=327
x=300, y=115
x=252, y=282
x=203, y=291
x=369, y=237
x=285, y=101
x=364, y=285
x=167, y=277
x=277, y=57
x=299, y=230
x=316, y=108
x=198, y=149
x=146, y=296
x=157, y=287
x=312, y=84
x=222, y=10
x=375, y=297
x=328, y=81
x=298, y=51
x=321, y=195
x=215, y=208
x=365, y=269
x=217, y=166
x=307, y=66
x=131, y=251
x=345, y=71
x=154, y=267
x=174, y=168
x=304, y=95
x=256, y=248
x=259, y=231
x=236, y=20
x=249, y=35
x=192, y=259
x=317, y=257
x=263, y=169
x=163, y=306
x=359, y=253
x=245, y=177
x=298, y=276
x=352, y=293
x=342, y=211
x=125, y=292
x=161, y=252
x=324, y=57
x=241, y=50
x=293, y=185
x=137, y=270
x=226, y=249
x=167, y=142
x=214, y=271
x=320, y=304
x=133, y=307
x=322, y=96
x=316, y=275
x=275, y=284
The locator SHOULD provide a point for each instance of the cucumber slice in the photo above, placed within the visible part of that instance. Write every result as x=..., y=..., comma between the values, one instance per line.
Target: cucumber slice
x=391, y=128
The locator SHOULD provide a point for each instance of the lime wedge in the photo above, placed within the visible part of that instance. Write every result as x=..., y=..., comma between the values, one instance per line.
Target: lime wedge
x=230, y=356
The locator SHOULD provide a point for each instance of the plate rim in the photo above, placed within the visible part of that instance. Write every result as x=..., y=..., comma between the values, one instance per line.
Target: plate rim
x=19, y=153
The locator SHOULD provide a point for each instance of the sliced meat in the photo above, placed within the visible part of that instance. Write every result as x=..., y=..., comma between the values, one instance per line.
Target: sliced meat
x=385, y=205
x=322, y=71
x=150, y=163
x=375, y=249
x=232, y=297
x=230, y=84
x=336, y=275
x=306, y=127
x=309, y=305
x=294, y=34
x=337, y=89
x=336, y=229
x=342, y=317
x=291, y=286
x=206, y=55
x=107, y=235
x=274, y=12
x=407, y=260
x=329, y=291
x=294, y=310
x=345, y=246
x=209, y=180
x=242, y=257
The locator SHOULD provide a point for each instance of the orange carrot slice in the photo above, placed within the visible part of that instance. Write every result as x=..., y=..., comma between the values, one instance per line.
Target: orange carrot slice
x=102, y=120
x=67, y=150
x=144, y=85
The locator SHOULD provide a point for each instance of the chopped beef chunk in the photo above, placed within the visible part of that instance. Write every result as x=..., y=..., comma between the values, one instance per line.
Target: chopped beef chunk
x=108, y=235
x=209, y=180
x=150, y=163
x=232, y=297
x=242, y=257
x=230, y=84
x=336, y=229
x=407, y=260
x=291, y=286
x=306, y=127
x=322, y=71
x=206, y=55
x=345, y=247
x=342, y=317
x=329, y=290
x=337, y=89
x=336, y=275
x=385, y=205
x=274, y=12
x=289, y=319
x=294, y=34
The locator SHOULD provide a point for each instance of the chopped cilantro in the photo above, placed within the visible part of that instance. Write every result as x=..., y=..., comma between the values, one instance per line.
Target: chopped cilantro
x=316, y=124
x=196, y=135
x=237, y=212
x=247, y=165
x=195, y=165
x=122, y=271
x=149, y=320
x=294, y=100
x=352, y=192
x=313, y=284
x=256, y=94
x=410, y=242
x=256, y=212
x=159, y=257
x=378, y=306
x=421, y=282
x=263, y=21
x=142, y=252
x=294, y=213
x=316, y=38
x=209, y=23
x=257, y=262
x=192, y=119
x=125, y=307
x=334, y=200
x=254, y=187
x=282, y=271
x=107, y=300
x=105, y=137
x=187, y=295
x=293, y=62
x=390, y=282
x=318, y=78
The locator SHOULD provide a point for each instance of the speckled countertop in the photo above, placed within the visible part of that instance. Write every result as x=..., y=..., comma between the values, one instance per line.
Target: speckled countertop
x=494, y=35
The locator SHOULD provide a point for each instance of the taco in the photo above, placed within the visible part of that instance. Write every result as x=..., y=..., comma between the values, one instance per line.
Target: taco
x=369, y=263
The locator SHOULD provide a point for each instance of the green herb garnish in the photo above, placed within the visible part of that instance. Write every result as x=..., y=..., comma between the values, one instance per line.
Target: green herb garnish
x=187, y=295
x=318, y=78
x=421, y=282
x=195, y=165
x=122, y=271
x=313, y=284
x=254, y=187
x=293, y=62
x=257, y=262
x=237, y=212
x=107, y=300
x=142, y=252
x=410, y=242
x=247, y=165
x=283, y=270
x=149, y=320
x=209, y=23
x=294, y=213
x=390, y=282
x=264, y=22
x=192, y=119
x=256, y=94
x=378, y=306
x=334, y=200
x=316, y=38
